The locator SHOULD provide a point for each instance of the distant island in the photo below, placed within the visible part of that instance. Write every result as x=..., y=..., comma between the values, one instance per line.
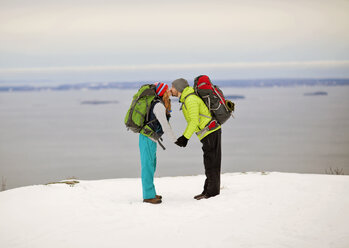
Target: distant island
x=94, y=102
x=234, y=97
x=317, y=93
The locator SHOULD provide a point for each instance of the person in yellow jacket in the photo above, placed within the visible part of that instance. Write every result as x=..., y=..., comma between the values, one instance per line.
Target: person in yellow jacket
x=199, y=121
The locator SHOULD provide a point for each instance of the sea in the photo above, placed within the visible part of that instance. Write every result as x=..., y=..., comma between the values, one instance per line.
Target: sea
x=49, y=135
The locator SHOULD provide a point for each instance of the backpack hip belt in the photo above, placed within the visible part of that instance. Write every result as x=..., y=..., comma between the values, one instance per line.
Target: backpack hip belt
x=212, y=125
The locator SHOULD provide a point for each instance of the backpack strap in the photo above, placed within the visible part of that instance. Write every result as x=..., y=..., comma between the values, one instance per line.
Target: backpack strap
x=147, y=122
x=206, y=116
x=212, y=125
x=155, y=101
x=186, y=107
x=162, y=146
x=185, y=98
x=146, y=117
x=159, y=140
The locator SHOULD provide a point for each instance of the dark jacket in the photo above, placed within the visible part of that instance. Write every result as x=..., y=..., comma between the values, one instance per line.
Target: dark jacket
x=153, y=123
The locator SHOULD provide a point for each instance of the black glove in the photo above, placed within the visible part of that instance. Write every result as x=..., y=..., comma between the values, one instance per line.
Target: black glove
x=182, y=141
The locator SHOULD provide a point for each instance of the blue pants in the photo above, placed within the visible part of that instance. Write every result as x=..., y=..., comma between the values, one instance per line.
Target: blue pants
x=147, y=149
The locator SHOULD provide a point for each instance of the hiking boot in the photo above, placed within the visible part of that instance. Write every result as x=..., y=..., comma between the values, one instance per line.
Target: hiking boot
x=153, y=201
x=158, y=197
x=198, y=196
x=201, y=196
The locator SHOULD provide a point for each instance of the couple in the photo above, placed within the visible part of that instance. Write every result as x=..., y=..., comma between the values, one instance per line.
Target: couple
x=198, y=119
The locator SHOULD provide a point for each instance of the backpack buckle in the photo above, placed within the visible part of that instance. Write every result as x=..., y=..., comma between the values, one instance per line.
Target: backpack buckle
x=212, y=125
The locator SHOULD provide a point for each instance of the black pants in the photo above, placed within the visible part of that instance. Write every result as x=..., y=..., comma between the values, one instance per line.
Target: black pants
x=211, y=146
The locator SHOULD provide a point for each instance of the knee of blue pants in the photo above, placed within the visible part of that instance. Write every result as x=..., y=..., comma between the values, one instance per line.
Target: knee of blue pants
x=147, y=149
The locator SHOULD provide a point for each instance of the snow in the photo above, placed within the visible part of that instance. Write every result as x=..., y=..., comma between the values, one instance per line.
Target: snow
x=253, y=210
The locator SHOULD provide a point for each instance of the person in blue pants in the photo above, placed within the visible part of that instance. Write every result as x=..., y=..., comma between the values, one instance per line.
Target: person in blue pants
x=159, y=122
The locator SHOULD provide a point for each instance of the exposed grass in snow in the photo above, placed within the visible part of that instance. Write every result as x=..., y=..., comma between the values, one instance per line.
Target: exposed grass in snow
x=253, y=210
x=70, y=183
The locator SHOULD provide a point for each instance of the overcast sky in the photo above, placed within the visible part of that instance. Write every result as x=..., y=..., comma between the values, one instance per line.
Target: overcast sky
x=134, y=40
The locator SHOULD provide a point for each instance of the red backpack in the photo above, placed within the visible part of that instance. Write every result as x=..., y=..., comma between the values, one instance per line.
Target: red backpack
x=221, y=108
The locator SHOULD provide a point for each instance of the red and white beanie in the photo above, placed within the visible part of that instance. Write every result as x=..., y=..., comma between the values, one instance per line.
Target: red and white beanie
x=161, y=88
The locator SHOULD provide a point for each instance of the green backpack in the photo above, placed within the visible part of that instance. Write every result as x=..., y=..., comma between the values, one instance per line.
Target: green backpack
x=137, y=116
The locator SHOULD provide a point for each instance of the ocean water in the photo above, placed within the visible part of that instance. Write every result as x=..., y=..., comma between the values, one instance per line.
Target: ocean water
x=51, y=135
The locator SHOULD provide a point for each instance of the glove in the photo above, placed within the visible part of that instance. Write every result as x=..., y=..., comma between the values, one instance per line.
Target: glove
x=182, y=141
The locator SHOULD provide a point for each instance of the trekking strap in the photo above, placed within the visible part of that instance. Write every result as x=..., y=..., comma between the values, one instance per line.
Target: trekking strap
x=162, y=146
x=207, y=128
x=203, y=131
x=185, y=98
x=221, y=98
x=205, y=116
x=146, y=116
x=158, y=139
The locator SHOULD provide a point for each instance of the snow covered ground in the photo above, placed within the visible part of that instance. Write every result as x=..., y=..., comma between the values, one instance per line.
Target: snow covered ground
x=253, y=210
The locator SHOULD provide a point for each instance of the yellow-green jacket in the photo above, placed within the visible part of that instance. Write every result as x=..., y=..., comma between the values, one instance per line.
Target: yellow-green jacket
x=196, y=114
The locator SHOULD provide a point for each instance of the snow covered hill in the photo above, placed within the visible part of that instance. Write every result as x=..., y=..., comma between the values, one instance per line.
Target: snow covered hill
x=253, y=210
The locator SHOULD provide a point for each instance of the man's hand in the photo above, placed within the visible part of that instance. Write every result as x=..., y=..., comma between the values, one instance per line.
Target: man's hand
x=182, y=141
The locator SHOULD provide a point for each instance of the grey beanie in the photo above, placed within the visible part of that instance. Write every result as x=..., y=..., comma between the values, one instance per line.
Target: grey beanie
x=180, y=84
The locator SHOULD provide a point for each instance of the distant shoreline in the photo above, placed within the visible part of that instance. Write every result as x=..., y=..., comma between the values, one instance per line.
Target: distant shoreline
x=244, y=83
